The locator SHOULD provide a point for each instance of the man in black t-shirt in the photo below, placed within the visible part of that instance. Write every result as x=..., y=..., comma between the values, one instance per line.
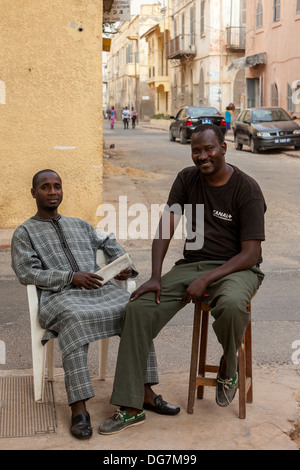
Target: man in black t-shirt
x=225, y=210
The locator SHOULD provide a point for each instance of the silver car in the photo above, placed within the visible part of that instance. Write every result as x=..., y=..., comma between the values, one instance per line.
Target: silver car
x=266, y=128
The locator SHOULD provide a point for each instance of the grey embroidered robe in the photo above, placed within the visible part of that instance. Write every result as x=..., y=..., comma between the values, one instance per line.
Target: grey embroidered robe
x=47, y=253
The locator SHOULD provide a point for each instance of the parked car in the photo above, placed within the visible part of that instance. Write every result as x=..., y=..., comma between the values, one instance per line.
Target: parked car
x=189, y=117
x=266, y=128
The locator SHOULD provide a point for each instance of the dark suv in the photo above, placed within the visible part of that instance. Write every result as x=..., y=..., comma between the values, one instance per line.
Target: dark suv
x=189, y=117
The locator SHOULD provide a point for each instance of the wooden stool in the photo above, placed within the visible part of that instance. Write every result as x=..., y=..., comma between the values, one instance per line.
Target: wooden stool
x=198, y=382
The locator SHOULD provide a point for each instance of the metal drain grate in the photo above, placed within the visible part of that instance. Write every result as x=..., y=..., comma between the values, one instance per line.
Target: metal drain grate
x=20, y=415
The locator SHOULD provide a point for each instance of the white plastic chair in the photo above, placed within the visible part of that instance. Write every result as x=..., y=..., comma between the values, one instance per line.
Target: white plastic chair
x=41, y=353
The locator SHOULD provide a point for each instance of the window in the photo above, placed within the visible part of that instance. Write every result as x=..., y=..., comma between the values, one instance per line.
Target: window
x=202, y=24
x=175, y=27
x=131, y=55
x=201, y=87
x=182, y=83
x=259, y=15
x=289, y=104
x=192, y=24
x=276, y=10
x=274, y=95
x=182, y=39
x=296, y=96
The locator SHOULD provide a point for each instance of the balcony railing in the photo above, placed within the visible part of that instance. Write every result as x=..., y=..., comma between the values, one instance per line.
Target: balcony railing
x=180, y=47
x=236, y=38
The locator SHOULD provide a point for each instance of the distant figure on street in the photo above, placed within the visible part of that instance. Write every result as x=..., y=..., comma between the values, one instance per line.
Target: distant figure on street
x=112, y=117
x=126, y=117
x=133, y=117
x=228, y=118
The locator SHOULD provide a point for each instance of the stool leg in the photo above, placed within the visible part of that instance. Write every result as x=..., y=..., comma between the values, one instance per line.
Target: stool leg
x=203, y=351
x=194, y=359
x=249, y=374
x=242, y=381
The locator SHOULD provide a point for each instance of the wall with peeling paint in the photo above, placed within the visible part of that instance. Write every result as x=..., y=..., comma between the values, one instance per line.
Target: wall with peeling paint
x=50, y=104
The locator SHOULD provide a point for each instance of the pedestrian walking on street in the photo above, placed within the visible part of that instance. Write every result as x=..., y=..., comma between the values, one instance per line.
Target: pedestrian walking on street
x=112, y=117
x=228, y=118
x=126, y=117
x=133, y=117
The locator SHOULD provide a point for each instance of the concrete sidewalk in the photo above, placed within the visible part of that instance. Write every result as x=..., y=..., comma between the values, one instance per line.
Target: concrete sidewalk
x=268, y=424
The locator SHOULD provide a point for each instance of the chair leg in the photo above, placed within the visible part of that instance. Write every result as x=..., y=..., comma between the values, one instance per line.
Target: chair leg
x=194, y=359
x=103, y=354
x=203, y=351
x=38, y=359
x=50, y=360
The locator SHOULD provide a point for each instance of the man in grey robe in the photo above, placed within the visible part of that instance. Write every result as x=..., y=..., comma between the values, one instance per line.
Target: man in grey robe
x=58, y=255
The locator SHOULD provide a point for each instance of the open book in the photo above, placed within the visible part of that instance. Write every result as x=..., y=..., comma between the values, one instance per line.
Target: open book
x=109, y=271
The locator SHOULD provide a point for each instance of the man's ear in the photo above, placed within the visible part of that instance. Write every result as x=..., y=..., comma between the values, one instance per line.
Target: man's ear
x=224, y=147
x=33, y=192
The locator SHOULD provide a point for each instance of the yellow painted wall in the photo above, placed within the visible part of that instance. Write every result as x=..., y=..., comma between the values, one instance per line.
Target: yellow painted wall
x=50, y=104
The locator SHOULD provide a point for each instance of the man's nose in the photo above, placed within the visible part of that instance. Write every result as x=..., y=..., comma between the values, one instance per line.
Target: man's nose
x=202, y=155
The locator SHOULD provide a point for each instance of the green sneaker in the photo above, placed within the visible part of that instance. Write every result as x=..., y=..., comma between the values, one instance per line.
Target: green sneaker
x=121, y=420
x=226, y=390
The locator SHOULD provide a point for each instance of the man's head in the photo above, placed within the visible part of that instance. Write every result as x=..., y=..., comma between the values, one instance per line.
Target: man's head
x=208, y=149
x=47, y=191
x=216, y=129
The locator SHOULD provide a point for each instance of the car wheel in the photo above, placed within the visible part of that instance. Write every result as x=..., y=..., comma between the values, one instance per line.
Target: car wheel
x=182, y=139
x=171, y=137
x=252, y=146
x=297, y=147
x=237, y=145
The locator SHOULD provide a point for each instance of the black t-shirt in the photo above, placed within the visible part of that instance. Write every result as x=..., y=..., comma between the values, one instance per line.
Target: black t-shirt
x=226, y=215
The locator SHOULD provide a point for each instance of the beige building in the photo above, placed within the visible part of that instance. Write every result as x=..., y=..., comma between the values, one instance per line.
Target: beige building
x=50, y=104
x=272, y=60
x=206, y=37
x=159, y=76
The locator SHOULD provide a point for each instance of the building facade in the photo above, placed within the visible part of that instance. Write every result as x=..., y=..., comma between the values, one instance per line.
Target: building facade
x=206, y=36
x=159, y=77
x=273, y=54
x=127, y=65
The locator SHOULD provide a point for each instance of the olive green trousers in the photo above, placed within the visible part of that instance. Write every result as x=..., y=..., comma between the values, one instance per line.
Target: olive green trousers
x=229, y=298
